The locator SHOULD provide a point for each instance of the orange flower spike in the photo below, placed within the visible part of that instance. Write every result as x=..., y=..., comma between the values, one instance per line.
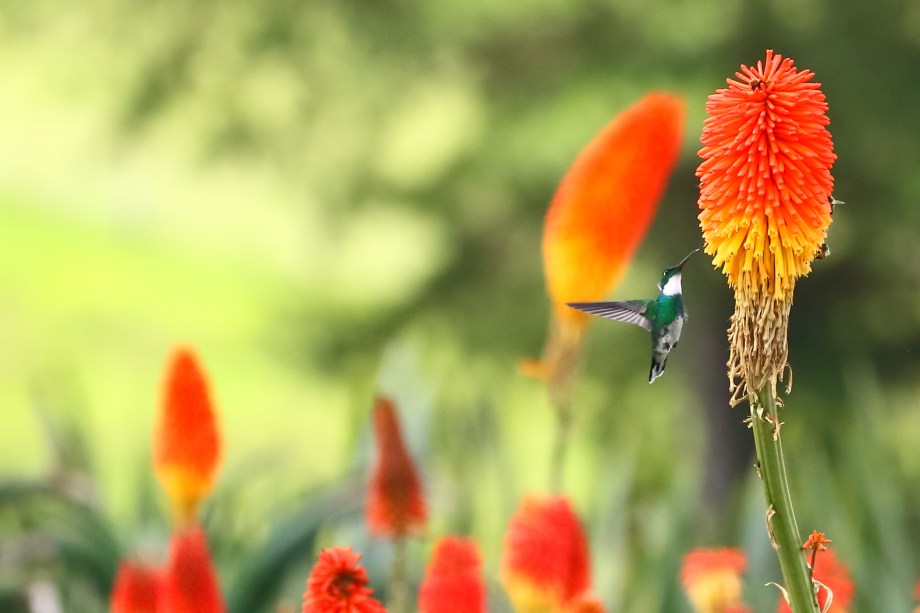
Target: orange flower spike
x=339, y=584
x=597, y=218
x=712, y=579
x=834, y=578
x=453, y=580
x=186, y=443
x=545, y=562
x=190, y=583
x=137, y=589
x=395, y=502
x=765, y=200
x=607, y=201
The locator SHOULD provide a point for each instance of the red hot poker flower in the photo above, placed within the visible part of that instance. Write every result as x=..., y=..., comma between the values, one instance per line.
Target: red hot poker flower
x=190, y=583
x=395, y=502
x=712, y=579
x=453, y=580
x=765, y=192
x=545, y=562
x=186, y=443
x=599, y=215
x=834, y=576
x=338, y=584
x=137, y=589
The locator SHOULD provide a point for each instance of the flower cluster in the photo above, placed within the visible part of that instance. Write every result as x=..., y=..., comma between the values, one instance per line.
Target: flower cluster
x=765, y=200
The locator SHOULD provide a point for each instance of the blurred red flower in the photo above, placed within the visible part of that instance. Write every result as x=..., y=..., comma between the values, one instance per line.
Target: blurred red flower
x=338, y=584
x=453, y=580
x=395, y=502
x=137, y=588
x=545, y=562
x=186, y=443
x=190, y=583
x=833, y=574
x=712, y=580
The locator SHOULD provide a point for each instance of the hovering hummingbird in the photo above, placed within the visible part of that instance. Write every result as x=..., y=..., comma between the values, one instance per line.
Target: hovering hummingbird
x=664, y=317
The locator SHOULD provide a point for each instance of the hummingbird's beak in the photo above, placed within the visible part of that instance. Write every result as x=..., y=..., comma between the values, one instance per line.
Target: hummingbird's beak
x=684, y=261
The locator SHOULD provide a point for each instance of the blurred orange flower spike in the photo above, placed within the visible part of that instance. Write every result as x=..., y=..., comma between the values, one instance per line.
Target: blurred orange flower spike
x=545, y=561
x=605, y=204
x=186, y=443
x=395, y=501
x=339, y=584
x=712, y=579
x=138, y=589
x=190, y=583
x=453, y=580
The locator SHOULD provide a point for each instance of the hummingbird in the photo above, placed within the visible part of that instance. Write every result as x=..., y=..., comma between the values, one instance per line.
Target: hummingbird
x=664, y=316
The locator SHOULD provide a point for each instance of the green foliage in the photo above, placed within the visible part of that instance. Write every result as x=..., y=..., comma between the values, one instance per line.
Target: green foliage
x=299, y=188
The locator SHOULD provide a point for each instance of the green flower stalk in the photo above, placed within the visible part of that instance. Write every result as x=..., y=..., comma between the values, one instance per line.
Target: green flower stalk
x=766, y=204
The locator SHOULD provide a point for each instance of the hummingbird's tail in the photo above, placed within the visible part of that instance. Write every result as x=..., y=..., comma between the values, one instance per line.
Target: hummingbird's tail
x=658, y=364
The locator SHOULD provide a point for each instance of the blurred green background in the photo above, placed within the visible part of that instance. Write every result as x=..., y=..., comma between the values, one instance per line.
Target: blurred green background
x=331, y=199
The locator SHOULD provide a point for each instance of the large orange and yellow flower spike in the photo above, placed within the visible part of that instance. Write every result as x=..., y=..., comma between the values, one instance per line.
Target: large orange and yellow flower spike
x=186, y=443
x=597, y=218
x=765, y=200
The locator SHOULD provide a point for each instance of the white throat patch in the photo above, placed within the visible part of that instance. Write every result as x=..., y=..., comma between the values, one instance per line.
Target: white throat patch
x=672, y=287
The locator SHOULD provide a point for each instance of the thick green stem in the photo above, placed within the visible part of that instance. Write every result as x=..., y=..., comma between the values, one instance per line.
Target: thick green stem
x=784, y=533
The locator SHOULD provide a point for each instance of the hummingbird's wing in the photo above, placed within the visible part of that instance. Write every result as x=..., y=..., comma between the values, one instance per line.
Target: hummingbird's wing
x=631, y=311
